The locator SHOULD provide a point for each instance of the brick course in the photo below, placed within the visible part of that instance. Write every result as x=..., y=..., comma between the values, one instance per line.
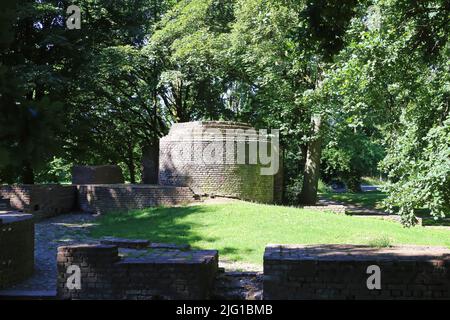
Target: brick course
x=16, y=248
x=180, y=162
x=339, y=272
x=178, y=275
x=101, y=199
x=42, y=200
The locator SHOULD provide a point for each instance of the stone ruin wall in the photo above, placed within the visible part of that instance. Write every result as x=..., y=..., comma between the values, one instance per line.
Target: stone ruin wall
x=227, y=179
x=16, y=248
x=104, y=275
x=340, y=272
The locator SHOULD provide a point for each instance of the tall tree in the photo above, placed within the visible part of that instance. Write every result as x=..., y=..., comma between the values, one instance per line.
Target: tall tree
x=284, y=48
x=394, y=73
x=192, y=43
x=32, y=88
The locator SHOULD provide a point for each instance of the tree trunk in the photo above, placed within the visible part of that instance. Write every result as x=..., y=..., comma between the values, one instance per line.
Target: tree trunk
x=27, y=173
x=150, y=163
x=131, y=170
x=130, y=163
x=311, y=172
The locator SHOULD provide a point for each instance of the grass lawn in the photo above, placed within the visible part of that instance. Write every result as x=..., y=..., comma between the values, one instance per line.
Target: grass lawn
x=241, y=230
x=368, y=199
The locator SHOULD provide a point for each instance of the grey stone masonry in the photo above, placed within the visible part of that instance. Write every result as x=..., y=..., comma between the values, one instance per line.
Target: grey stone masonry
x=341, y=272
x=158, y=274
x=16, y=248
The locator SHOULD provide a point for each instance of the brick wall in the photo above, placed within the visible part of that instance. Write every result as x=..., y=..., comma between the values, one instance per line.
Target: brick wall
x=180, y=162
x=43, y=200
x=16, y=248
x=105, y=198
x=340, y=272
x=181, y=275
x=105, y=174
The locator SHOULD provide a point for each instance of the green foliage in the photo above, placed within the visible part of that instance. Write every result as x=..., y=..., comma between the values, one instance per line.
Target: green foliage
x=350, y=155
x=31, y=89
x=421, y=177
x=191, y=42
x=293, y=189
x=380, y=242
x=103, y=93
x=395, y=78
x=57, y=171
x=323, y=187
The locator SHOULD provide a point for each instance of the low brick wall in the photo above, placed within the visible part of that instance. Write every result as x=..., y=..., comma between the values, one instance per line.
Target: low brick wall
x=106, y=198
x=340, y=272
x=41, y=200
x=180, y=275
x=16, y=248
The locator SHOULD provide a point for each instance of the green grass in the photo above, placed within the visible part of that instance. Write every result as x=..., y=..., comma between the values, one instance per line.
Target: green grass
x=240, y=231
x=368, y=199
x=372, y=181
x=381, y=242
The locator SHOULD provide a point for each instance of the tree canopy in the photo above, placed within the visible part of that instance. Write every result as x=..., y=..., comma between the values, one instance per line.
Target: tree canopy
x=356, y=87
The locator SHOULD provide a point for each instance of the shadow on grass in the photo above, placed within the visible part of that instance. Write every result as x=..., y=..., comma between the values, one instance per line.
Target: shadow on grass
x=159, y=224
x=166, y=225
x=236, y=254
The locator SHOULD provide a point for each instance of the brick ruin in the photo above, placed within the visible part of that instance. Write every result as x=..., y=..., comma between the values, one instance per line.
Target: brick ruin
x=43, y=201
x=100, y=189
x=101, y=199
x=105, y=174
x=165, y=272
x=340, y=272
x=16, y=248
x=291, y=272
x=157, y=275
x=183, y=147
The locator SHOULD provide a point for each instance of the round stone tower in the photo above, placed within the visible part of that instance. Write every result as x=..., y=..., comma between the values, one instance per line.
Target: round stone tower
x=216, y=158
